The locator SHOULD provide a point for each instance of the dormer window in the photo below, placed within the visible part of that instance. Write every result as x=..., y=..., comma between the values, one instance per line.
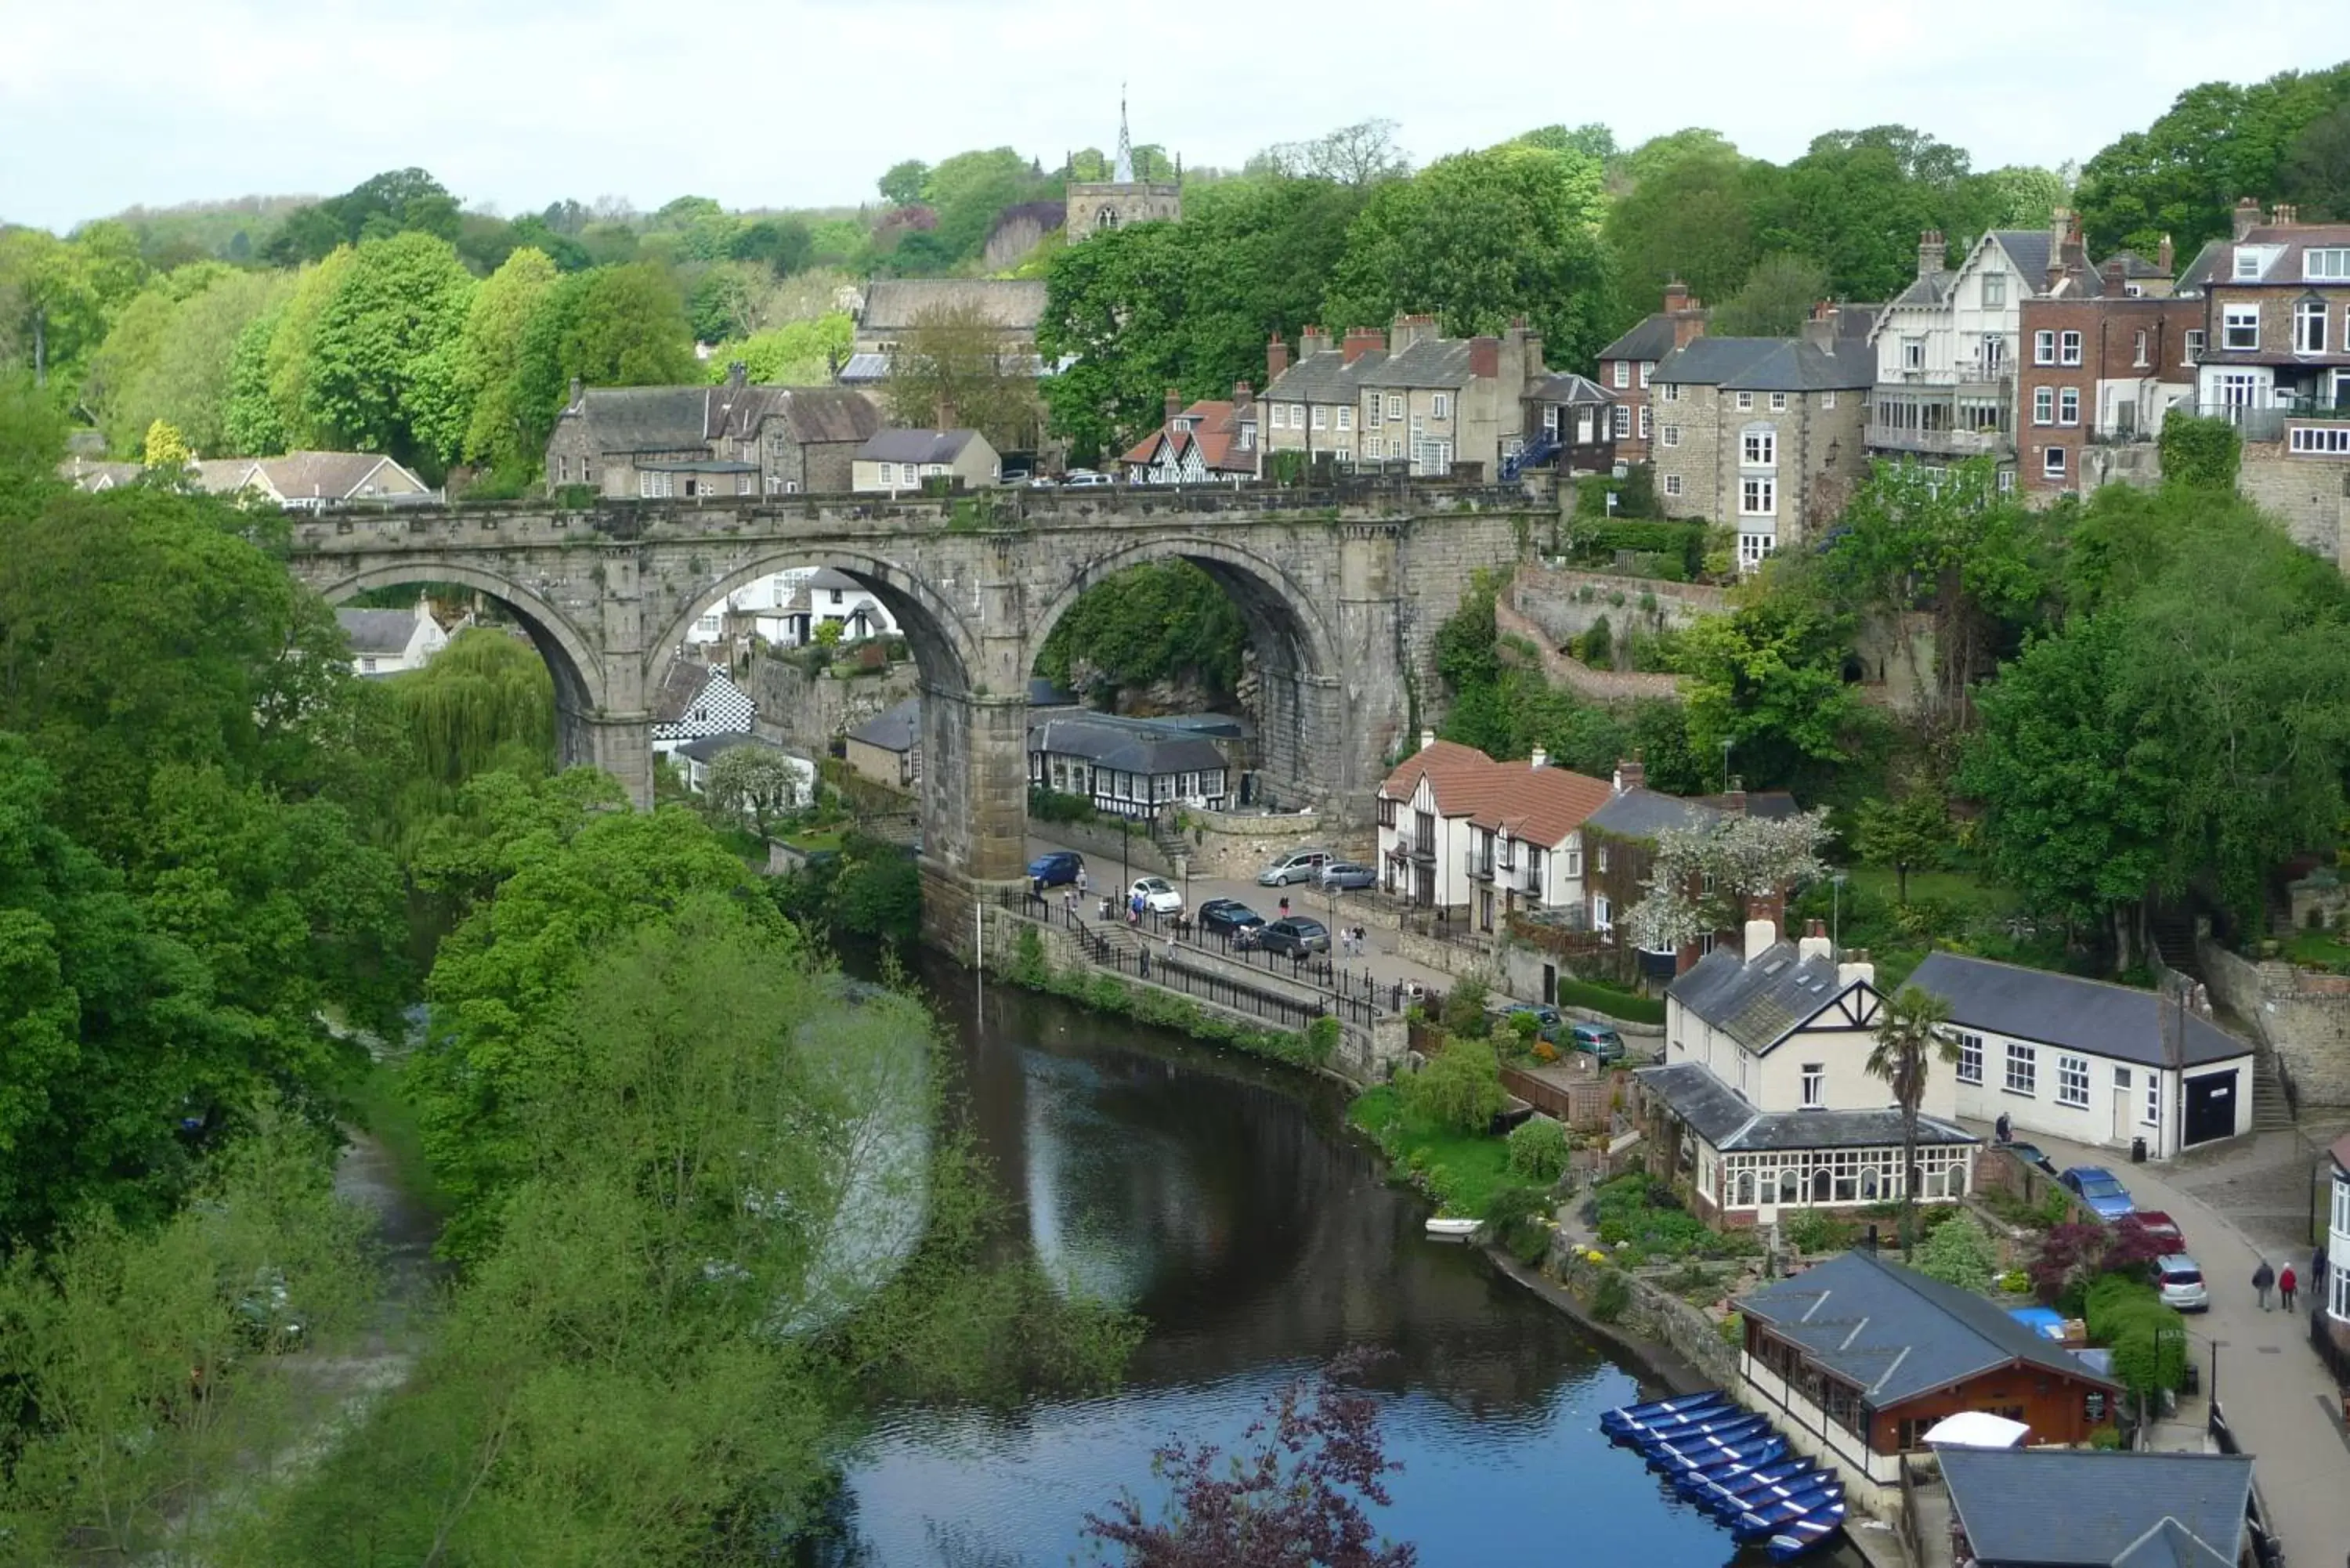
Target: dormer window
x=2330, y=263
x=2248, y=265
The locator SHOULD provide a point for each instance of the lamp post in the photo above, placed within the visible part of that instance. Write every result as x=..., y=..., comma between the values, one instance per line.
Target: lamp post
x=1725, y=765
x=1835, y=911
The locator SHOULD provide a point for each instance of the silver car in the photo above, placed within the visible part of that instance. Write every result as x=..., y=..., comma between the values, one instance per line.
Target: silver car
x=1348, y=873
x=1296, y=866
x=2180, y=1281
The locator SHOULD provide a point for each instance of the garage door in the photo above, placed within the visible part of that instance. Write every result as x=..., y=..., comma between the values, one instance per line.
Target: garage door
x=2210, y=1107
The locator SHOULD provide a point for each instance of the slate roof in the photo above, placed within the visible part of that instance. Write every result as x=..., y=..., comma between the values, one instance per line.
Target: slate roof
x=1429, y=363
x=1927, y=288
x=378, y=631
x=2064, y=1010
x=1730, y=1122
x=645, y=419
x=334, y=475
x=2137, y=265
x=822, y=415
x=706, y=747
x=1571, y=388
x=1651, y=339
x=1767, y=365
x=1129, y=748
x=2059, y=1508
x=1760, y=1001
x=685, y=681
x=893, y=728
x=896, y=304
x=1897, y=1334
x=1540, y=806
x=834, y=577
x=1644, y=814
x=1322, y=377
x=916, y=446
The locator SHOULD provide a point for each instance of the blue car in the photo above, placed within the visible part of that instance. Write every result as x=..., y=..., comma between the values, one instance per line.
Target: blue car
x=2099, y=1189
x=1058, y=869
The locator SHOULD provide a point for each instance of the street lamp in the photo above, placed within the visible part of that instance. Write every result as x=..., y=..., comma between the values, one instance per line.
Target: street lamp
x=1725, y=764
x=1835, y=910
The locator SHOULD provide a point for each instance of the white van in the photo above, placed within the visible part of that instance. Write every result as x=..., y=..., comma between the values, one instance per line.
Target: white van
x=1296, y=866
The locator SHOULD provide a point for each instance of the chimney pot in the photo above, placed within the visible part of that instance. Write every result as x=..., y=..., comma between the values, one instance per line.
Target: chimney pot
x=1630, y=774
x=737, y=372
x=1932, y=252
x=1174, y=406
x=1427, y=739
x=2247, y=216
x=1538, y=759
x=1677, y=297
x=2116, y=278
x=575, y=390
x=1276, y=358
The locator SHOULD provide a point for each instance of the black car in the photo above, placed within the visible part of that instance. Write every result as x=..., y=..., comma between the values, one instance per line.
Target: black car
x=1229, y=916
x=1296, y=936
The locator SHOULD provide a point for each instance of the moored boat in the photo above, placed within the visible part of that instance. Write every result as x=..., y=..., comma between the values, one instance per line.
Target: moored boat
x=1760, y=1524
x=1761, y=1450
x=1727, y=1496
x=1805, y=1534
x=1730, y=1427
x=1453, y=1230
x=1625, y=1416
x=1735, y=1476
x=1763, y=1499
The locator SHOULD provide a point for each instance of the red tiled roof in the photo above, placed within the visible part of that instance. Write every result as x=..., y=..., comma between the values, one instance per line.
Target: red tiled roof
x=1540, y=805
x=1215, y=428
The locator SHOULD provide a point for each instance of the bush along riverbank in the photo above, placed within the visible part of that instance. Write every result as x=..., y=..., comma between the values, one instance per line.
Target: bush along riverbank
x=1031, y=968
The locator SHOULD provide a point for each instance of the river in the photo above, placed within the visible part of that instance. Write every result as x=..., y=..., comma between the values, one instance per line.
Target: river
x=1225, y=1202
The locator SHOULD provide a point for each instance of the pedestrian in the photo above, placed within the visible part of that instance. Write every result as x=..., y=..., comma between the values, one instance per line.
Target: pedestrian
x=1083, y=888
x=2002, y=1131
x=2263, y=1278
x=1146, y=959
x=1284, y=906
x=2286, y=1281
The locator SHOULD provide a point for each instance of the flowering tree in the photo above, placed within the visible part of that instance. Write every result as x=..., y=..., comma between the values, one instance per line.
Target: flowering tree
x=1747, y=857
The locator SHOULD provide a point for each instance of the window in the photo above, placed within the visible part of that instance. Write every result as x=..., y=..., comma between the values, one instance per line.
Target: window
x=1994, y=288
x=1670, y=392
x=2022, y=1069
x=2006, y=481
x=1745, y=402
x=587, y=470
x=1623, y=425
x=1672, y=485
x=2240, y=327
x=2192, y=338
x=2238, y=389
x=1439, y=407
x=1321, y=417
x=2153, y=1117
x=1347, y=419
x=366, y=667
x=1603, y=919
x=1761, y=449
x=1754, y=548
x=1603, y=859
x=1779, y=402
x=1394, y=405
x=1816, y=1086
x=2043, y=405
x=1970, y=1058
x=1758, y=497
x=1648, y=369
x=2329, y=264
x=1913, y=353
x=2327, y=441
x=2054, y=462
x=1297, y=416
x=1574, y=864
x=1827, y=399
x=651, y=485
x=2141, y=359
x=1372, y=410
x=1644, y=422
x=2044, y=348
x=2309, y=326
x=1280, y=416
x=2248, y=263
x=2072, y=1082
x=1372, y=445
x=1670, y=435
x=562, y=471
x=1623, y=377
x=2068, y=348
x=1387, y=810
x=2068, y=406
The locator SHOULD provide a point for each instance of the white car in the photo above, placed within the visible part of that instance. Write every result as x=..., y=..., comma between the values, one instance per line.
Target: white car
x=2180, y=1281
x=1084, y=479
x=1159, y=895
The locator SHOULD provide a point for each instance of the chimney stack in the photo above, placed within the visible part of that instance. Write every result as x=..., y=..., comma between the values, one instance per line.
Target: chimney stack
x=1932, y=252
x=1689, y=325
x=2284, y=216
x=1361, y=340
x=1243, y=397
x=1427, y=739
x=1815, y=943
x=1276, y=358
x=1409, y=328
x=2116, y=279
x=2164, y=258
x=1630, y=774
x=1539, y=759
x=1856, y=966
x=2247, y=217
x=1820, y=331
x=1312, y=340
x=1174, y=408
x=1485, y=358
x=1676, y=297
x=1760, y=935
x=575, y=390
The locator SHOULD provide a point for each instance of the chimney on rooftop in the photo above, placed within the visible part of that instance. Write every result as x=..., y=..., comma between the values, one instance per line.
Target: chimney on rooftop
x=1760, y=935
x=1409, y=328
x=2247, y=216
x=1814, y=942
x=1174, y=406
x=1676, y=297
x=2116, y=278
x=575, y=390
x=1630, y=774
x=2164, y=258
x=1276, y=358
x=1856, y=966
x=2284, y=216
x=1243, y=397
x=1485, y=358
x=1539, y=759
x=1688, y=325
x=1932, y=252
x=1362, y=341
x=1312, y=340
x=1427, y=739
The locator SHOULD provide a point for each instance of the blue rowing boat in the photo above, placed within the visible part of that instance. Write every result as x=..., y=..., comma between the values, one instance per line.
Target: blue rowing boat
x=1733, y=1495
x=1760, y=1524
x=1729, y=1428
x=1626, y=1417
x=1761, y=1450
x=1735, y=1476
x=1769, y=1495
x=1805, y=1534
x=1631, y=1428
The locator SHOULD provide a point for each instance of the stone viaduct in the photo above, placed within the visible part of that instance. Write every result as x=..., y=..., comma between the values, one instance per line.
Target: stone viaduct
x=1341, y=591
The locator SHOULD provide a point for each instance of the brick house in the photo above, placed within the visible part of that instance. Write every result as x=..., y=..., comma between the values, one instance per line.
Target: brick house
x=1764, y=434
x=733, y=439
x=1620, y=843
x=2276, y=330
x=2098, y=369
x=1403, y=396
x=1629, y=365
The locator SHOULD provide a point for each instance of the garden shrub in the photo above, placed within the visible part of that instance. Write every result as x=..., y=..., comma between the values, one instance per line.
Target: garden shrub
x=1817, y=1231
x=1539, y=1148
x=1518, y=1217
x=1956, y=1252
x=1611, y=1001
x=1610, y=1296
x=1461, y=1087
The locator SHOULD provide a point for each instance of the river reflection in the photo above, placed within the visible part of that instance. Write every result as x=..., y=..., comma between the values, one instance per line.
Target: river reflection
x=1230, y=1209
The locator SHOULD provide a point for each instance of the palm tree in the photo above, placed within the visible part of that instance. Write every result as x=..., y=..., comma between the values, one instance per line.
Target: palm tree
x=1907, y=1039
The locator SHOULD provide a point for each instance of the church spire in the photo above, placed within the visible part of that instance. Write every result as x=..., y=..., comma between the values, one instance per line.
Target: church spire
x=1123, y=172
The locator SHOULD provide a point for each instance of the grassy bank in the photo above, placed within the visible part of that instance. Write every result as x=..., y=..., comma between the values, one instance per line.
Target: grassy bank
x=1462, y=1171
x=1090, y=987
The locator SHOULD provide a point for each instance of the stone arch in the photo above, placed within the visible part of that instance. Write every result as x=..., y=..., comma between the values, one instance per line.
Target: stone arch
x=571, y=659
x=1302, y=728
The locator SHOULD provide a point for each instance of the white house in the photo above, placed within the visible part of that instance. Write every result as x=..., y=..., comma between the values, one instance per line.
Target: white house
x=2088, y=1061
x=387, y=641
x=297, y=481
x=900, y=460
x=758, y=608
x=2333, y=1292
x=786, y=608
x=696, y=756
x=1134, y=767
x=1458, y=830
x=696, y=701
x=1765, y=1098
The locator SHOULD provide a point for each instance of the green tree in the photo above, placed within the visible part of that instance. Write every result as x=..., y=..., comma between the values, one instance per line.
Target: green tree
x=1855, y=201
x=1690, y=217
x=1774, y=301
x=1907, y=1038
x=2203, y=452
x=1911, y=832
x=1460, y=1089
x=757, y=782
x=1958, y=1253
x=188, y=380
x=1768, y=678
x=902, y=184
x=2316, y=173
x=398, y=202
x=1166, y=621
x=490, y=361
x=165, y=451
x=795, y=354
x=383, y=374
x=952, y=362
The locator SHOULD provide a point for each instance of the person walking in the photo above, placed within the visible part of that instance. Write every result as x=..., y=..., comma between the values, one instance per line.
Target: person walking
x=2263, y=1278
x=1070, y=904
x=1284, y=906
x=1082, y=886
x=2286, y=1281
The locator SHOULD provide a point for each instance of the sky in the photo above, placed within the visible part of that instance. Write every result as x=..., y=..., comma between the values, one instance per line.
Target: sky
x=105, y=104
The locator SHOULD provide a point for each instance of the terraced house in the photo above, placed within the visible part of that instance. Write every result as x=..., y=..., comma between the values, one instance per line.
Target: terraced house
x=737, y=438
x=2276, y=330
x=1407, y=397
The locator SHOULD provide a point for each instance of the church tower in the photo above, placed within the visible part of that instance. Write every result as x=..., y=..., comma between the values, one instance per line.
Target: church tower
x=1095, y=205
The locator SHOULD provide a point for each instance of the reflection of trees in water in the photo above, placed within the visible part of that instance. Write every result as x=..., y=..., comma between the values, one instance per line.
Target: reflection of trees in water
x=1258, y=1231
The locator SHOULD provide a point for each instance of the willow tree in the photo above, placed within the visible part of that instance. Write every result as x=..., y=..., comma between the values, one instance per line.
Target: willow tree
x=484, y=704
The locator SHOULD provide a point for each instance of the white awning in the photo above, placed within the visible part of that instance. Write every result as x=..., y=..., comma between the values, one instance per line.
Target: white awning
x=1978, y=1430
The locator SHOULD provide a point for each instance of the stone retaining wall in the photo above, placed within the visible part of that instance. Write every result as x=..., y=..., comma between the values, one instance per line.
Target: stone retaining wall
x=2303, y=1015
x=1101, y=843
x=1237, y=845
x=2306, y=492
x=1655, y=1313
x=1564, y=669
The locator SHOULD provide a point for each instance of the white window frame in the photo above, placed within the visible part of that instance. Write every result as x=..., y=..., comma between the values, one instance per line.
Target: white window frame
x=2072, y=1081
x=2068, y=348
x=2143, y=348
x=1603, y=916
x=1745, y=402
x=2021, y=1073
x=1622, y=421
x=2318, y=441
x=2068, y=405
x=1439, y=406
x=1372, y=446
x=1644, y=422
x=1814, y=1086
x=1827, y=399
x=1669, y=435
x=2006, y=481
x=2150, y=1115
x=1371, y=406
x=1969, y=1064
x=1622, y=377
x=2043, y=405
x=1994, y=288
x=1669, y=392
x=1394, y=405
x=1319, y=417
x=2044, y=348
x=2309, y=326
x=1758, y=497
x=2326, y=264
x=1754, y=549
x=2248, y=265
x=1280, y=415
x=1347, y=416
x=1672, y=485
x=1759, y=449
x=2055, y=463
x=1913, y=353
x=1778, y=402
x=1648, y=369
x=2191, y=345
x=2239, y=321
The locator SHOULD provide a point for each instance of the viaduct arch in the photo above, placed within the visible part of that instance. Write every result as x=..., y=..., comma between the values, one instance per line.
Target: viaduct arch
x=1342, y=596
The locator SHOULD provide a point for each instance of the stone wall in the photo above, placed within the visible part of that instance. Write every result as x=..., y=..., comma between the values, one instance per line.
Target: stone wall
x=1562, y=669
x=1237, y=845
x=1654, y=1315
x=1103, y=845
x=2306, y=492
x=805, y=713
x=2303, y=1016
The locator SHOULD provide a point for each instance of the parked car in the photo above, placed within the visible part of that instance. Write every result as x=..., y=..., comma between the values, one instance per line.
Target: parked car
x=1599, y=1040
x=2181, y=1281
x=2101, y=1190
x=1013, y=477
x=1084, y=479
x=1229, y=916
x=2030, y=1153
x=1348, y=875
x=1297, y=865
x=1549, y=1022
x=2161, y=1228
x=1159, y=895
x=1296, y=936
x=1039, y=482
x=1055, y=868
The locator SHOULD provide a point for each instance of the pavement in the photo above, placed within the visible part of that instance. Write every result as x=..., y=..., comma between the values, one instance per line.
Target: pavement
x=2235, y=1209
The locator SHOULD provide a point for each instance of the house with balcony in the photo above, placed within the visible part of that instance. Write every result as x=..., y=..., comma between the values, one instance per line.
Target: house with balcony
x=1571, y=425
x=1763, y=435
x=2099, y=370
x=2276, y=330
x=1406, y=398
x=1459, y=831
x=1948, y=345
